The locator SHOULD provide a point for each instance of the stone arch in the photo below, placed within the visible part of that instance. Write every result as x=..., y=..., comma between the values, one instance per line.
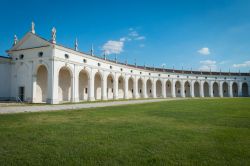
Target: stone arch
x=110, y=86
x=64, y=84
x=196, y=89
x=130, y=87
x=245, y=90
x=168, y=89
x=235, y=89
x=178, y=89
x=41, y=84
x=149, y=88
x=98, y=86
x=158, y=88
x=225, y=89
x=140, y=88
x=216, y=89
x=187, y=90
x=206, y=89
x=83, y=85
x=121, y=87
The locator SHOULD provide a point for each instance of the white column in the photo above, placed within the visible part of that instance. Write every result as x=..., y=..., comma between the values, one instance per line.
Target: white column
x=154, y=88
x=75, y=85
x=201, y=88
x=92, y=86
x=211, y=94
x=52, y=83
x=182, y=88
x=240, y=89
x=173, y=88
x=145, y=88
x=192, y=88
x=135, y=87
x=230, y=89
x=126, y=87
x=163, y=85
x=116, y=83
x=104, y=86
x=221, y=89
x=248, y=83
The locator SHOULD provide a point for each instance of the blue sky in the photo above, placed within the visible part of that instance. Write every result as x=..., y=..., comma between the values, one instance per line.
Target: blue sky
x=201, y=34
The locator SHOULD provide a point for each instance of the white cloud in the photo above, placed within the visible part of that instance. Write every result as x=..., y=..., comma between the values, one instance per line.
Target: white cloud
x=133, y=34
x=244, y=64
x=207, y=65
x=113, y=47
x=140, y=38
x=204, y=51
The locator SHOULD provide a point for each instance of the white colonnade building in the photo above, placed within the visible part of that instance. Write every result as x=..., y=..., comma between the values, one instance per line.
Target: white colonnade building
x=41, y=71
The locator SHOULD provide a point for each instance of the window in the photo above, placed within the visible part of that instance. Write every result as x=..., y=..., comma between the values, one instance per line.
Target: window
x=187, y=76
x=40, y=54
x=132, y=90
x=225, y=78
x=131, y=71
x=98, y=64
x=215, y=77
x=84, y=60
x=168, y=75
x=150, y=91
x=205, y=77
x=140, y=90
x=140, y=72
x=66, y=56
x=21, y=56
x=86, y=90
x=178, y=76
x=149, y=73
x=121, y=69
x=110, y=67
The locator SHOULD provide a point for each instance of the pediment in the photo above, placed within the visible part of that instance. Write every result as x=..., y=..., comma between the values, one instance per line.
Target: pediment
x=30, y=40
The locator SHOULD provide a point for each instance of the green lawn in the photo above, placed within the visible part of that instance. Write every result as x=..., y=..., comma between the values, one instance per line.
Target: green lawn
x=184, y=132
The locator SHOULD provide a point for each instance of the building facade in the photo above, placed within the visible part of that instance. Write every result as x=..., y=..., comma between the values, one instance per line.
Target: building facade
x=41, y=71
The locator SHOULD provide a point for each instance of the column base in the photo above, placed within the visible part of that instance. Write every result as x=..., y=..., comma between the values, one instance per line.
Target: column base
x=52, y=101
x=91, y=99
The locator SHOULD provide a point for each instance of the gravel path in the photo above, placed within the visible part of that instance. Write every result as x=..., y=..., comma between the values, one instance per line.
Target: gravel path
x=19, y=109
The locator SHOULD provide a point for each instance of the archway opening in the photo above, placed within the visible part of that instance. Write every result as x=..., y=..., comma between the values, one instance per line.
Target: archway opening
x=110, y=87
x=196, y=89
x=121, y=87
x=168, y=89
x=41, y=84
x=64, y=84
x=149, y=88
x=216, y=89
x=187, y=89
x=206, y=89
x=130, y=88
x=225, y=89
x=235, y=89
x=178, y=89
x=83, y=85
x=140, y=86
x=245, y=90
x=98, y=86
x=158, y=89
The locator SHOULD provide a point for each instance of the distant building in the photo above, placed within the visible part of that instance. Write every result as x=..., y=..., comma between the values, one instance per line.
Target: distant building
x=41, y=71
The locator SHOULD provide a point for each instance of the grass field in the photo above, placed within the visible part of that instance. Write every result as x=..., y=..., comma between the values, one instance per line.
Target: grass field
x=185, y=132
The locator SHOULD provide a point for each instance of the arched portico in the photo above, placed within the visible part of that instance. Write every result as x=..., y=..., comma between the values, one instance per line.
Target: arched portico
x=98, y=86
x=178, y=89
x=158, y=88
x=130, y=88
x=245, y=90
x=225, y=89
x=235, y=89
x=110, y=87
x=121, y=87
x=196, y=89
x=216, y=89
x=206, y=89
x=187, y=89
x=83, y=85
x=65, y=84
x=149, y=88
x=168, y=89
x=140, y=88
x=42, y=84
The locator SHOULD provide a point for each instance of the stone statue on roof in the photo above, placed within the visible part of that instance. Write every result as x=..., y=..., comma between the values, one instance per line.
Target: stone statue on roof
x=33, y=27
x=53, y=35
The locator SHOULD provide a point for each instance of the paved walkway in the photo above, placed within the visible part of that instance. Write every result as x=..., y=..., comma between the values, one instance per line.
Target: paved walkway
x=19, y=109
